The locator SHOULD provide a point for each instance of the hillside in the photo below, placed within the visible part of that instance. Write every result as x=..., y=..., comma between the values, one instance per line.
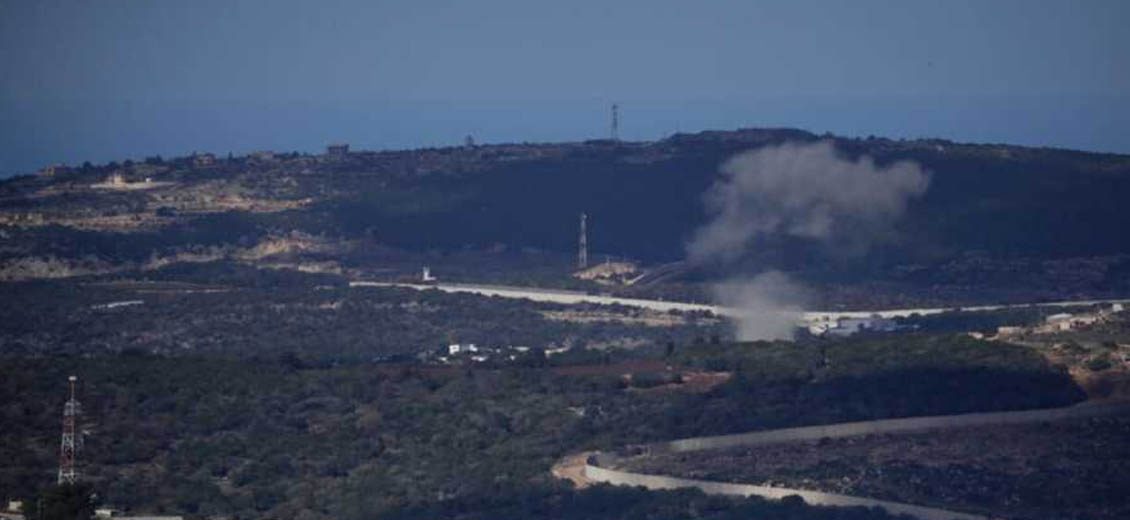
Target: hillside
x=997, y=223
x=253, y=436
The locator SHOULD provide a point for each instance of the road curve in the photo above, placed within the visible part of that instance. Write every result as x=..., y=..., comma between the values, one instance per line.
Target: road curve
x=596, y=466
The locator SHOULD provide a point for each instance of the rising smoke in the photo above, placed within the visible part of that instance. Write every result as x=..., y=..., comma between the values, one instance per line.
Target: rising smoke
x=769, y=304
x=799, y=190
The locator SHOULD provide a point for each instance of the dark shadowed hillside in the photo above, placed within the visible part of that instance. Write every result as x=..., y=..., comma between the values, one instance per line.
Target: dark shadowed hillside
x=997, y=222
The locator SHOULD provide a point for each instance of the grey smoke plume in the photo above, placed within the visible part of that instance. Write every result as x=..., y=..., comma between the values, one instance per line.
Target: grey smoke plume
x=799, y=190
x=802, y=190
x=769, y=305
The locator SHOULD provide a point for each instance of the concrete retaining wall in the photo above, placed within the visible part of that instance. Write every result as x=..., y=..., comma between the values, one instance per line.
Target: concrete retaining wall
x=624, y=478
x=597, y=466
x=906, y=425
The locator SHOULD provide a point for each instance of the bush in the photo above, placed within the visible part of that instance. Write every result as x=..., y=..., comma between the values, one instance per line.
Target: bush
x=1098, y=364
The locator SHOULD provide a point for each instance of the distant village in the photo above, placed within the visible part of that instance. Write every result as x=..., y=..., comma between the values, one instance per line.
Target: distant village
x=1061, y=322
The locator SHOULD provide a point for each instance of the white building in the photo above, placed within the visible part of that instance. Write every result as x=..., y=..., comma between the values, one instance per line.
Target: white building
x=558, y=350
x=849, y=326
x=456, y=348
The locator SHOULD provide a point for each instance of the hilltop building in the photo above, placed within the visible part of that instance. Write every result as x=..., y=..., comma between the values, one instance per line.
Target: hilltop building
x=1063, y=322
x=264, y=156
x=53, y=170
x=203, y=159
x=337, y=151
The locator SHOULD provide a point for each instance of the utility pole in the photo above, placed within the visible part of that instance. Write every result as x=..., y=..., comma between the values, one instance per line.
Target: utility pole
x=583, y=246
x=71, y=441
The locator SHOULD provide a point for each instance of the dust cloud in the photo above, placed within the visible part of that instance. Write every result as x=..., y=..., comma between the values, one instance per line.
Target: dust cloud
x=805, y=190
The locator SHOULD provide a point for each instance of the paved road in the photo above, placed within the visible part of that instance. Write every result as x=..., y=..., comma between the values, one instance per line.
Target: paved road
x=574, y=297
x=550, y=295
x=596, y=468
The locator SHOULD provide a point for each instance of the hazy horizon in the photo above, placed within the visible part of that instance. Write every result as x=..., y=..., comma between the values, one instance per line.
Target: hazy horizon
x=108, y=82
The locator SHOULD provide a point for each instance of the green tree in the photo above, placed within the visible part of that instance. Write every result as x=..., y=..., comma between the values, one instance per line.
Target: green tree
x=65, y=502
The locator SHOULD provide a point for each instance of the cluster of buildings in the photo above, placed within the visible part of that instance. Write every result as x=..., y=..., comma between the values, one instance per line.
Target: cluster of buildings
x=1063, y=322
x=843, y=327
x=461, y=352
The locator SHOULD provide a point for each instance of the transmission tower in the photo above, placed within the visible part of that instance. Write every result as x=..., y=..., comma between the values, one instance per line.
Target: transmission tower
x=615, y=122
x=583, y=246
x=72, y=441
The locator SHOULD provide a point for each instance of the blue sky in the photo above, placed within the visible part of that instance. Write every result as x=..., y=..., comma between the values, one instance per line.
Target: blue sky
x=110, y=80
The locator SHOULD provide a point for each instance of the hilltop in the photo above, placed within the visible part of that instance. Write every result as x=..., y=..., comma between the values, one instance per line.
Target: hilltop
x=999, y=222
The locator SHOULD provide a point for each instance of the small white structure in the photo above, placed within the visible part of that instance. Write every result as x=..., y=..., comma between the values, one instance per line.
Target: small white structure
x=1116, y=307
x=1009, y=330
x=114, y=305
x=1065, y=321
x=1089, y=319
x=821, y=325
x=558, y=350
x=1058, y=318
x=109, y=512
x=456, y=348
x=427, y=275
x=15, y=506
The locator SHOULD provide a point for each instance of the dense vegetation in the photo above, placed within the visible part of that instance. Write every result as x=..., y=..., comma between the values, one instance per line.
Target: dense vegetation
x=236, y=390
x=208, y=436
x=606, y=502
x=238, y=311
x=874, y=377
x=1067, y=469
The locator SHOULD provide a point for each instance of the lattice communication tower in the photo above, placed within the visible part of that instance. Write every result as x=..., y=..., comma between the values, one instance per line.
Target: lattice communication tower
x=72, y=440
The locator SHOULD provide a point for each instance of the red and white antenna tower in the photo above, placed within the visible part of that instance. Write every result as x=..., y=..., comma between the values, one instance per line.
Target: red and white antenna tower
x=72, y=441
